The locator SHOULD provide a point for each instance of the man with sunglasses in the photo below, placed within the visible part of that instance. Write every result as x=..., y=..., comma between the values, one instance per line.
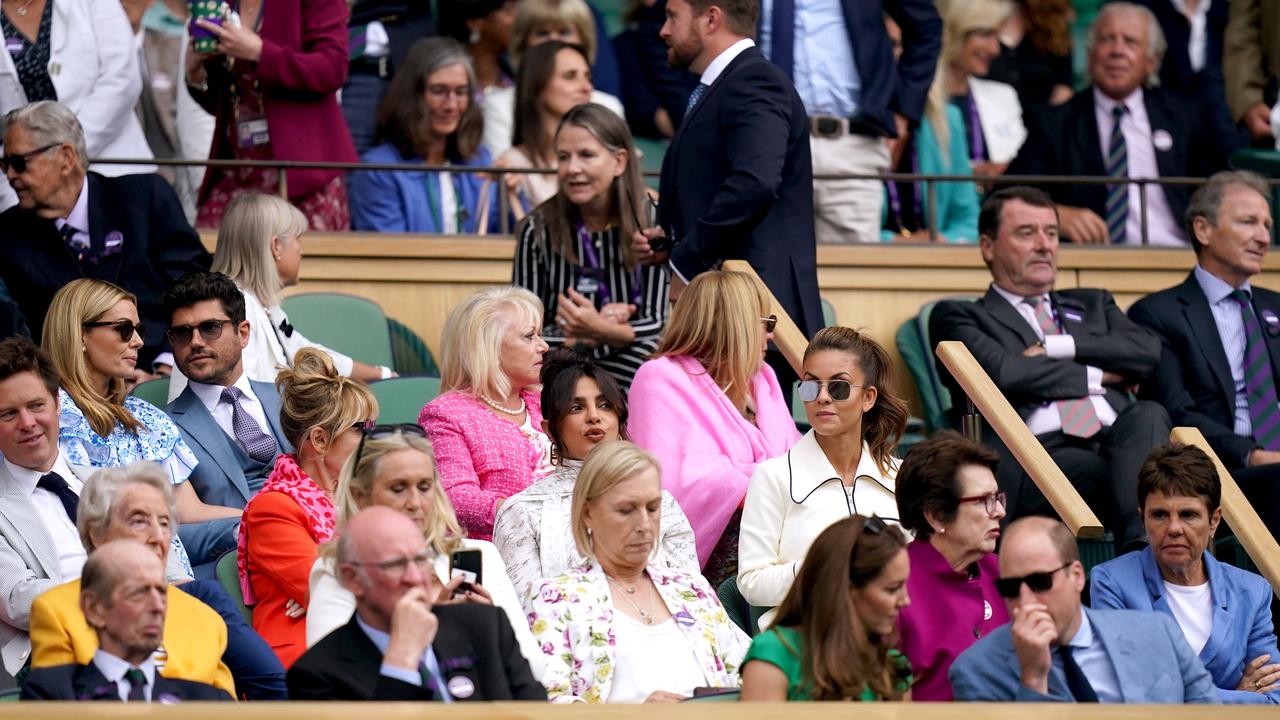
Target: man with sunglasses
x=71, y=223
x=1055, y=650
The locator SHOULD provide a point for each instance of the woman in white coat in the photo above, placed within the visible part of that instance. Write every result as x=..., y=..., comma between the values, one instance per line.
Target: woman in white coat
x=844, y=466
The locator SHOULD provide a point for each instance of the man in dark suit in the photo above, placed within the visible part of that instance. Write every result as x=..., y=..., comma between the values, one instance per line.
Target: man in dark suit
x=1221, y=337
x=123, y=597
x=1121, y=129
x=230, y=422
x=1064, y=359
x=397, y=645
x=71, y=223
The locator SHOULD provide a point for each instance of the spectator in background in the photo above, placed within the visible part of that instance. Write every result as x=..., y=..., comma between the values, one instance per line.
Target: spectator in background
x=1251, y=66
x=380, y=33
x=274, y=95
x=653, y=93
x=12, y=323
x=575, y=253
x=486, y=426
x=322, y=414
x=1035, y=52
x=430, y=115
x=96, y=77
x=484, y=28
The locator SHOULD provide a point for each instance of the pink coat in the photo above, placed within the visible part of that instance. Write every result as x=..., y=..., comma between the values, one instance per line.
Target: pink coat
x=707, y=449
x=481, y=458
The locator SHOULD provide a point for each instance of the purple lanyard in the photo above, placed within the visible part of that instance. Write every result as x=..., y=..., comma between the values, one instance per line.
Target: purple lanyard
x=895, y=201
x=591, y=261
x=977, y=146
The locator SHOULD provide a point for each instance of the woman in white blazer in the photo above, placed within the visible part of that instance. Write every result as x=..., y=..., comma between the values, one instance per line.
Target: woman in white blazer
x=844, y=466
x=93, y=67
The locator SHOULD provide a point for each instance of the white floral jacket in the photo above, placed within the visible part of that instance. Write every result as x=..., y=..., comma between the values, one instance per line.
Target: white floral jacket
x=572, y=621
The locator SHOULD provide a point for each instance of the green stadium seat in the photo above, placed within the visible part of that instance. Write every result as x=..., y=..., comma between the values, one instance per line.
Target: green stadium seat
x=400, y=399
x=409, y=353
x=351, y=325
x=916, y=348
x=721, y=696
x=229, y=577
x=1267, y=164
x=155, y=391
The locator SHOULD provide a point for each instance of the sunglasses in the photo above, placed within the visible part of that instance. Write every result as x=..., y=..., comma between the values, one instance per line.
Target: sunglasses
x=837, y=389
x=18, y=161
x=210, y=330
x=1038, y=582
x=989, y=501
x=770, y=323
x=125, y=328
x=368, y=431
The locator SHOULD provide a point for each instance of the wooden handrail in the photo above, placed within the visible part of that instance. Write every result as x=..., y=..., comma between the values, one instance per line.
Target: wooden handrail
x=1239, y=513
x=786, y=335
x=1028, y=451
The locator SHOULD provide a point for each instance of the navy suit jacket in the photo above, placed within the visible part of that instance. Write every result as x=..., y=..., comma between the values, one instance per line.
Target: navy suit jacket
x=1152, y=660
x=157, y=247
x=86, y=682
x=1241, y=628
x=1193, y=380
x=218, y=477
x=737, y=183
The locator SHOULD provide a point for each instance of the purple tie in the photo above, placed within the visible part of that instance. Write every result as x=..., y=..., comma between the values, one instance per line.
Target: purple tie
x=259, y=445
x=1079, y=419
x=1259, y=382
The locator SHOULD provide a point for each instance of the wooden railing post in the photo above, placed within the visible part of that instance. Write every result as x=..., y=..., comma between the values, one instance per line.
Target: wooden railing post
x=786, y=335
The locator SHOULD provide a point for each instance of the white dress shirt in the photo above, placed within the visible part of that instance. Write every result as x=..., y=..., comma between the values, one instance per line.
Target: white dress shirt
x=1199, y=30
x=113, y=669
x=1230, y=324
x=381, y=640
x=211, y=397
x=721, y=61
x=1091, y=655
x=1162, y=227
x=53, y=516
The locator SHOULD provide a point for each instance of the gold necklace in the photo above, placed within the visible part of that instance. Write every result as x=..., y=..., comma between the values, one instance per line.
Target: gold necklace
x=646, y=616
x=23, y=10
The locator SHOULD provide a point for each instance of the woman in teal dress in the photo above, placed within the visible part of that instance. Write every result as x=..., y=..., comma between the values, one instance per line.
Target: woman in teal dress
x=834, y=633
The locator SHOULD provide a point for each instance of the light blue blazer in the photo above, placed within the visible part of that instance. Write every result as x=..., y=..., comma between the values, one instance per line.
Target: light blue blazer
x=957, y=201
x=396, y=201
x=1152, y=660
x=1241, y=630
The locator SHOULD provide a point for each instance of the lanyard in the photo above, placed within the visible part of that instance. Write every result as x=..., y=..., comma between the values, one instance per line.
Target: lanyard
x=591, y=261
x=435, y=207
x=895, y=199
x=977, y=145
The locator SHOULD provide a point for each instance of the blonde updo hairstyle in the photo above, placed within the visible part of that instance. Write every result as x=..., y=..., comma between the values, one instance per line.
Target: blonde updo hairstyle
x=607, y=465
x=313, y=395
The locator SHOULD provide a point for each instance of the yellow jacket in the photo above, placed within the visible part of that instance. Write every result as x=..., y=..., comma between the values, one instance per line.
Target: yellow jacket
x=194, y=636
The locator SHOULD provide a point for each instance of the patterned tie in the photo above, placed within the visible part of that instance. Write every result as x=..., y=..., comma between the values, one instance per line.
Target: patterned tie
x=1079, y=419
x=1259, y=382
x=75, y=241
x=54, y=483
x=694, y=97
x=259, y=445
x=1117, y=166
x=137, y=684
x=1077, y=682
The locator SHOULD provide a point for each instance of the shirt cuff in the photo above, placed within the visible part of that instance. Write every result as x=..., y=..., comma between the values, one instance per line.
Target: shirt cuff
x=1060, y=347
x=405, y=676
x=1093, y=376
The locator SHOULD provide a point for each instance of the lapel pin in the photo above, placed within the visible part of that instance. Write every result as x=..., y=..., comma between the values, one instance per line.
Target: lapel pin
x=1162, y=140
x=461, y=687
x=1272, y=321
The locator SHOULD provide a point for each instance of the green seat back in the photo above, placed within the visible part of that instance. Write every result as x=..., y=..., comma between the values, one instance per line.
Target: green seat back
x=155, y=391
x=409, y=352
x=828, y=313
x=723, y=696
x=1094, y=552
x=351, y=325
x=735, y=606
x=1267, y=164
x=916, y=347
x=229, y=578
x=400, y=400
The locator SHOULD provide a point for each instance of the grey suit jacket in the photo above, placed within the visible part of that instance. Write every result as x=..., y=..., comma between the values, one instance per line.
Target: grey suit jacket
x=218, y=477
x=1152, y=660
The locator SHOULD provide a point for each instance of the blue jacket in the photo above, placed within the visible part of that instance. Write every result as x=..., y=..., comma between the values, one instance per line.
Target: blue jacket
x=1241, y=628
x=957, y=202
x=396, y=200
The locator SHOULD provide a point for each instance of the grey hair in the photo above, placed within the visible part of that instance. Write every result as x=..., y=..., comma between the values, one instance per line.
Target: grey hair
x=1156, y=44
x=103, y=490
x=250, y=222
x=1206, y=201
x=51, y=123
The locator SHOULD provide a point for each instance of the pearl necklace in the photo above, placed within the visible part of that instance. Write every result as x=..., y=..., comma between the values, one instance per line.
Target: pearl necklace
x=646, y=616
x=501, y=408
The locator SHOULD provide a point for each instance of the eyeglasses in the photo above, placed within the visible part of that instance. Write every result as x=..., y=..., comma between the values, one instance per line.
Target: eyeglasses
x=126, y=328
x=770, y=323
x=210, y=330
x=1038, y=582
x=377, y=432
x=443, y=92
x=874, y=525
x=18, y=161
x=396, y=568
x=837, y=389
x=989, y=501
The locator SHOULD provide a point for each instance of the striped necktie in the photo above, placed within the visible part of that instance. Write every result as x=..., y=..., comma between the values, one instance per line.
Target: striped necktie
x=1117, y=166
x=1259, y=381
x=1079, y=419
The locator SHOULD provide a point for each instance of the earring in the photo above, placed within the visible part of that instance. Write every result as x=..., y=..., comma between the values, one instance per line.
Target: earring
x=475, y=37
x=555, y=460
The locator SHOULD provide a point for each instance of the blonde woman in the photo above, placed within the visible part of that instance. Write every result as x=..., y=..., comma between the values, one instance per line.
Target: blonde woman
x=322, y=414
x=486, y=426
x=710, y=408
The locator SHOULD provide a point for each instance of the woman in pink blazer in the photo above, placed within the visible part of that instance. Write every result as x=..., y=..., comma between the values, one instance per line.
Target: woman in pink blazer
x=709, y=408
x=486, y=427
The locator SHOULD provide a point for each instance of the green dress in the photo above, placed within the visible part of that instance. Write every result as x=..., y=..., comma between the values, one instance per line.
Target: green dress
x=781, y=647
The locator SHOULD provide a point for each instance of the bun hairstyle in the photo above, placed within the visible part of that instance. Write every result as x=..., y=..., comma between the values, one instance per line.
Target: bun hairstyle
x=314, y=395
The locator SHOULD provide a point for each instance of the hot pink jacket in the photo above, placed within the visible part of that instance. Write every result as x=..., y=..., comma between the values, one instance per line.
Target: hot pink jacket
x=707, y=449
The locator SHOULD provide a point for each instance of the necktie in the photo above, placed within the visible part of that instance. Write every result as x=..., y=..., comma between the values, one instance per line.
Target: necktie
x=54, y=483
x=1077, y=683
x=1117, y=166
x=1259, y=382
x=259, y=445
x=1079, y=419
x=432, y=681
x=137, y=684
x=694, y=97
x=74, y=240
x=782, y=28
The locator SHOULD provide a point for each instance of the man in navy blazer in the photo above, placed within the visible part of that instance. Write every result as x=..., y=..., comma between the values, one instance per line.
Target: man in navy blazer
x=1055, y=650
x=230, y=422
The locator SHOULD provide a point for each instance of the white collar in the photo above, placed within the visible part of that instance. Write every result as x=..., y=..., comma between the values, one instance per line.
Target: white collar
x=1106, y=103
x=211, y=395
x=78, y=218
x=721, y=61
x=114, y=668
x=1015, y=299
x=27, y=478
x=1084, y=634
x=810, y=468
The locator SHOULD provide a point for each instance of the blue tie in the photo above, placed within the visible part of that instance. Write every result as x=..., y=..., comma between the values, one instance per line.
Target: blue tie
x=1117, y=207
x=782, y=40
x=694, y=97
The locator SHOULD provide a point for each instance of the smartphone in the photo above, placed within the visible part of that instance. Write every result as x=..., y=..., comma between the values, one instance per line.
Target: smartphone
x=466, y=563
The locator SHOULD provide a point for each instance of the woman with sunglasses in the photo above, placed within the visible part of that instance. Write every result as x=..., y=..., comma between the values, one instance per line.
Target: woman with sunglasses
x=948, y=497
x=710, y=408
x=844, y=466
x=833, y=636
x=393, y=466
x=322, y=414
x=92, y=334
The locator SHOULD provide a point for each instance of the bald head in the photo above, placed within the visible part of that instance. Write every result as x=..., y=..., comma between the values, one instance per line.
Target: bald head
x=123, y=596
x=371, y=528
x=1040, y=530
x=381, y=556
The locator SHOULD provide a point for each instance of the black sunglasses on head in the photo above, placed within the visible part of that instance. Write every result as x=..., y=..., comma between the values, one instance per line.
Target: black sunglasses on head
x=1038, y=582
x=210, y=330
x=370, y=431
x=126, y=328
x=18, y=161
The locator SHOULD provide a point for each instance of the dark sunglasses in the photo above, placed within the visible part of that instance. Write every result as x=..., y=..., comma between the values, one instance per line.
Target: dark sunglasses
x=837, y=389
x=1038, y=582
x=770, y=323
x=18, y=161
x=874, y=525
x=125, y=328
x=369, y=431
x=210, y=330
x=989, y=501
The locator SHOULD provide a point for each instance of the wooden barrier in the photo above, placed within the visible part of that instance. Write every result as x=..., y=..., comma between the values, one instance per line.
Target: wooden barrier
x=786, y=335
x=1031, y=455
x=1239, y=513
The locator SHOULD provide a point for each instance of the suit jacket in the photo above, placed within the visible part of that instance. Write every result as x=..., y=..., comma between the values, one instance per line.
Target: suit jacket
x=1241, y=629
x=218, y=478
x=1193, y=380
x=157, y=246
x=737, y=182
x=1064, y=140
x=1251, y=53
x=85, y=682
x=1153, y=664
x=997, y=334
x=475, y=647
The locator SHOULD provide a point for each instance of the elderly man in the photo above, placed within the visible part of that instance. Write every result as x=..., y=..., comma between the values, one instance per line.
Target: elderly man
x=124, y=599
x=1054, y=650
x=397, y=646
x=71, y=223
x=1119, y=128
x=1064, y=359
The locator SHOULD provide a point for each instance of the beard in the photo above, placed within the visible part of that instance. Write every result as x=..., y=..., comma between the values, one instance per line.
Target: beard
x=681, y=52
